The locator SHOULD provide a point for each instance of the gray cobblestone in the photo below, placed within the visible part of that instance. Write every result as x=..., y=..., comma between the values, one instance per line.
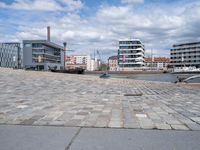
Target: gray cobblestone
x=44, y=98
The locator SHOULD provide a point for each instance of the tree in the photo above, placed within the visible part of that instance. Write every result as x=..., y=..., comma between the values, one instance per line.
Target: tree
x=103, y=67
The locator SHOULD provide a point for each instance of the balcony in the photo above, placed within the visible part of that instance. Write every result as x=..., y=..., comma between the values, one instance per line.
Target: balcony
x=133, y=54
x=133, y=63
x=180, y=55
x=185, y=50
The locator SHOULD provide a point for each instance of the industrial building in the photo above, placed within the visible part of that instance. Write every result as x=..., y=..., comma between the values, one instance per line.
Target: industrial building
x=185, y=54
x=130, y=54
x=42, y=54
x=10, y=55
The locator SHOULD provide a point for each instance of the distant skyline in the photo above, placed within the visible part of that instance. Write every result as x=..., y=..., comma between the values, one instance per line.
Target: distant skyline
x=88, y=25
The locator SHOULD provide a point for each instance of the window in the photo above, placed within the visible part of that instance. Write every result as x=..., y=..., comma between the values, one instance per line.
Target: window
x=37, y=45
x=27, y=45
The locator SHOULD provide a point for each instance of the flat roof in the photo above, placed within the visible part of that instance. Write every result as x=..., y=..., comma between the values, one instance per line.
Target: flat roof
x=187, y=43
x=113, y=57
x=130, y=40
x=45, y=42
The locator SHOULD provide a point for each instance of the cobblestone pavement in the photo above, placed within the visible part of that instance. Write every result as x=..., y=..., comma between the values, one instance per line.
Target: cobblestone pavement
x=44, y=98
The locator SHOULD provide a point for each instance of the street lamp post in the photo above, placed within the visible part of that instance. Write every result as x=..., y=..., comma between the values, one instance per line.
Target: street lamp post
x=65, y=48
x=18, y=57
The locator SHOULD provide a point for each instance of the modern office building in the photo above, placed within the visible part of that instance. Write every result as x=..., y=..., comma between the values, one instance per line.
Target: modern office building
x=42, y=54
x=10, y=55
x=130, y=54
x=185, y=54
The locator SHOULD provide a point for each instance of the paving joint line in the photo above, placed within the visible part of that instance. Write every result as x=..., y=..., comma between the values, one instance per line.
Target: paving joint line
x=183, y=116
x=73, y=139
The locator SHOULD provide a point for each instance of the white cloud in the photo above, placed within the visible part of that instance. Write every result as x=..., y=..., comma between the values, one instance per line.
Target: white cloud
x=158, y=27
x=72, y=4
x=44, y=5
x=2, y=5
x=132, y=1
x=113, y=12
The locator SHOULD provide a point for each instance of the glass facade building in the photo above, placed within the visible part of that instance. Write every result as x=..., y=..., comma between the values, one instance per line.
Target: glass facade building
x=10, y=55
x=42, y=54
x=131, y=53
x=185, y=54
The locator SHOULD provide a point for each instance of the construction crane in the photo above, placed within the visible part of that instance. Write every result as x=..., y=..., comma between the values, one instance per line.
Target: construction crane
x=99, y=55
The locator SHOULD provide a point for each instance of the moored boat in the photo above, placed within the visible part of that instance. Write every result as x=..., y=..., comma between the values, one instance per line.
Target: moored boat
x=71, y=71
x=186, y=70
x=105, y=75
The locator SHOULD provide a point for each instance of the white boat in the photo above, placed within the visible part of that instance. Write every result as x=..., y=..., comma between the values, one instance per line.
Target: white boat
x=186, y=70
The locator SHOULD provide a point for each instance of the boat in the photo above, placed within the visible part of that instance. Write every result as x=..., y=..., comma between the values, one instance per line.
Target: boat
x=105, y=76
x=71, y=71
x=186, y=70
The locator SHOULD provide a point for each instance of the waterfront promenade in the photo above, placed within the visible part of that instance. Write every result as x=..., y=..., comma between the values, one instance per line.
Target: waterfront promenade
x=52, y=99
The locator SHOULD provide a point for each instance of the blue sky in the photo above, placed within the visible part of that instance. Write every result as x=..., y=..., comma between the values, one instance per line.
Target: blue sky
x=89, y=25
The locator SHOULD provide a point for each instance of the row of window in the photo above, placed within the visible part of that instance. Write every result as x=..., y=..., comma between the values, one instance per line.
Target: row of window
x=130, y=65
x=129, y=61
x=185, y=53
x=129, y=52
x=129, y=42
x=37, y=45
x=52, y=52
x=188, y=48
x=189, y=61
x=185, y=57
x=129, y=47
x=37, y=58
x=130, y=56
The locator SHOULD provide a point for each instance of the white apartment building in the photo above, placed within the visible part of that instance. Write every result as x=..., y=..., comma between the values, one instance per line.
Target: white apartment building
x=95, y=64
x=130, y=54
x=185, y=54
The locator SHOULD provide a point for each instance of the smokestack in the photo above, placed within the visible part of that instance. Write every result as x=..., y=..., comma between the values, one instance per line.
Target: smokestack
x=48, y=34
x=65, y=46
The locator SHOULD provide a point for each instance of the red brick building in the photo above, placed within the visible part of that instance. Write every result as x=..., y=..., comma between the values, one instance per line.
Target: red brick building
x=158, y=63
x=113, y=63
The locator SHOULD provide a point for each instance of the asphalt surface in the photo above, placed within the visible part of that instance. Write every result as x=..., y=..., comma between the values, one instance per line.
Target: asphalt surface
x=17, y=137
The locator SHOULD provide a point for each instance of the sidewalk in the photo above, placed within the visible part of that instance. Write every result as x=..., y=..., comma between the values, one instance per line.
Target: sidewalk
x=17, y=137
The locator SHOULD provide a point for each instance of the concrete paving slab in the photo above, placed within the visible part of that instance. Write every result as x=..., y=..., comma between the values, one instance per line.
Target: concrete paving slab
x=134, y=139
x=14, y=137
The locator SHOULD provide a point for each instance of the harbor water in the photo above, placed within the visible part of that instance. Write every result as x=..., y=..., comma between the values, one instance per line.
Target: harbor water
x=158, y=77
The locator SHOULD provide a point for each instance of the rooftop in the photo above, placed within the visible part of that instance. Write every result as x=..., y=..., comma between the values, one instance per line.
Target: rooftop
x=45, y=42
x=113, y=57
x=130, y=39
x=186, y=44
x=157, y=59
